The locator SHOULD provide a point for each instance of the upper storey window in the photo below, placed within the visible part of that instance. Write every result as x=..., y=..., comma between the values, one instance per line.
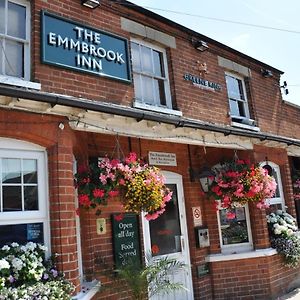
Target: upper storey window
x=150, y=75
x=236, y=90
x=15, y=42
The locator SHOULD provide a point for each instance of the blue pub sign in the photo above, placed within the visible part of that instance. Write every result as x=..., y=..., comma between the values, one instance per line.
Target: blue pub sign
x=71, y=45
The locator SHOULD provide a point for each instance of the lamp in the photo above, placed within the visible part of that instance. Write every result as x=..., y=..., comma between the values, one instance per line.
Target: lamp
x=90, y=3
x=266, y=73
x=206, y=176
x=200, y=45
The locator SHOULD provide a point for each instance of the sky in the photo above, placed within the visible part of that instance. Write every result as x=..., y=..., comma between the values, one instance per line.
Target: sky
x=279, y=49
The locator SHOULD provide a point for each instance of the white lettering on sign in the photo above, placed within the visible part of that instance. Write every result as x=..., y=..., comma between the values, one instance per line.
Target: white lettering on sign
x=162, y=159
x=197, y=216
x=87, y=43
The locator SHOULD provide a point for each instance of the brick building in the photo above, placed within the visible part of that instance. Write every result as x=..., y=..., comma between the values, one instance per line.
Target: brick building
x=76, y=82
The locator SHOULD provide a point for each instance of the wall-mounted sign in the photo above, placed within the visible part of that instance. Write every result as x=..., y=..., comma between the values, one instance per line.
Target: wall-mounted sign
x=75, y=46
x=202, y=83
x=202, y=270
x=22, y=233
x=126, y=238
x=197, y=216
x=162, y=159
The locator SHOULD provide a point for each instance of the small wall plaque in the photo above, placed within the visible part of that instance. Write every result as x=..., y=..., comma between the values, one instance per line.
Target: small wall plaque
x=162, y=159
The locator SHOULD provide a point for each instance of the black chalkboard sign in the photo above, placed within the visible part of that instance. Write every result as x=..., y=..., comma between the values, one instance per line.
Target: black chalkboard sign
x=126, y=239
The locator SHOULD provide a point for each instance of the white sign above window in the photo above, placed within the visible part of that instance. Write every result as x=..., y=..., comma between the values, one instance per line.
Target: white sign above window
x=162, y=159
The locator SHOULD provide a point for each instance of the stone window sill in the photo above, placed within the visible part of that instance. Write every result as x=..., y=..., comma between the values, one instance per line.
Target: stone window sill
x=88, y=290
x=9, y=80
x=242, y=255
x=158, y=109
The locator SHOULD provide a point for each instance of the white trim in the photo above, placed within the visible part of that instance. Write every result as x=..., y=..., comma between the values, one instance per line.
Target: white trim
x=174, y=178
x=15, y=149
x=165, y=66
x=238, y=247
x=5, y=79
x=164, y=110
x=15, y=81
x=280, y=199
x=243, y=255
x=245, y=102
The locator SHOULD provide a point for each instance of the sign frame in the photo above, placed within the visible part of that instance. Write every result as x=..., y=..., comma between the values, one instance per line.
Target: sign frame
x=44, y=60
x=117, y=243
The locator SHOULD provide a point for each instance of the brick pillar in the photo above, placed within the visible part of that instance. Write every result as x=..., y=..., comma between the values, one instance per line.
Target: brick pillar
x=62, y=206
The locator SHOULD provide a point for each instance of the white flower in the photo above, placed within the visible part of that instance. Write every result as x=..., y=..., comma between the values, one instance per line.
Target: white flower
x=30, y=246
x=17, y=263
x=42, y=247
x=14, y=244
x=4, y=264
x=5, y=248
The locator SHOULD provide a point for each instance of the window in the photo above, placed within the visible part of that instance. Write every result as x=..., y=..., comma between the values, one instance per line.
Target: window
x=237, y=99
x=150, y=75
x=234, y=230
x=23, y=214
x=277, y=201
x=15, y=41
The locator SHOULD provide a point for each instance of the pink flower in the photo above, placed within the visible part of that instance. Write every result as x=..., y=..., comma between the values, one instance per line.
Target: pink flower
x=114, y=163
x=103, y=178
x=131, y=158
x=121, y=181
x=230, y=215
x=153, y=216
x=168, y=197
x=97, y=193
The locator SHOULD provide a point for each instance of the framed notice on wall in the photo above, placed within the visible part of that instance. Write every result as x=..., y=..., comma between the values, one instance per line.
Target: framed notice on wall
x=126, y=239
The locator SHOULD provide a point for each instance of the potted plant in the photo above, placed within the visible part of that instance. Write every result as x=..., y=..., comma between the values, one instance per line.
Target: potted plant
x=239, y=182
x=140, y=187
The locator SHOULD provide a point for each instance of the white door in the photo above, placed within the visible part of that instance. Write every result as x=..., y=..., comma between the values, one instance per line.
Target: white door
x=167, y=236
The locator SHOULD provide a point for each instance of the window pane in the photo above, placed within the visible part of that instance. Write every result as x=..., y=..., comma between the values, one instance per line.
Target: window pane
x=158, y=64
x=11, y=170
x=30, y=171
x=147, y=90
x=234, y=229
x=146, y=60
x=241, y=109
x=12, y=198
x=2, y=25
x=135, y=54
x=165, y=231
x=31, y=198
x=159, y=89
x=14, y=59
x=137, y=86
x=233, y=87
x=16, y=20
x=21, y=233
x=234, y=109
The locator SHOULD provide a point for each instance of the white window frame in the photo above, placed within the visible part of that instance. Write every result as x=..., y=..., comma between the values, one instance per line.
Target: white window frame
x=238, y=247
x=10, y=148
x=246, y=105
x=138, y=103
x=12, y=80
x=280, y=199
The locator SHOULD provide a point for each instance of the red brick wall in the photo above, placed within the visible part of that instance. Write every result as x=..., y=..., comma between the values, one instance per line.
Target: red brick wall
x=266, y=105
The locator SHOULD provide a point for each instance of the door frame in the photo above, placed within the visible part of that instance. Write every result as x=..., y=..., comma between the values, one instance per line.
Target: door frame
x=175, y=178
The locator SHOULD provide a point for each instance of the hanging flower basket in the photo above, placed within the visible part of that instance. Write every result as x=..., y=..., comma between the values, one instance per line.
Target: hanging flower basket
x=239, y=182
x=140, y=187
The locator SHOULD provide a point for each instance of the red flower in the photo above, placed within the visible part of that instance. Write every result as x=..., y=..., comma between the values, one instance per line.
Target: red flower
x=82, y=169
x=155, y=249
x=84, y=200
x=119, y=217
x=113, y=193
x=97, y=193
x=230, y=215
